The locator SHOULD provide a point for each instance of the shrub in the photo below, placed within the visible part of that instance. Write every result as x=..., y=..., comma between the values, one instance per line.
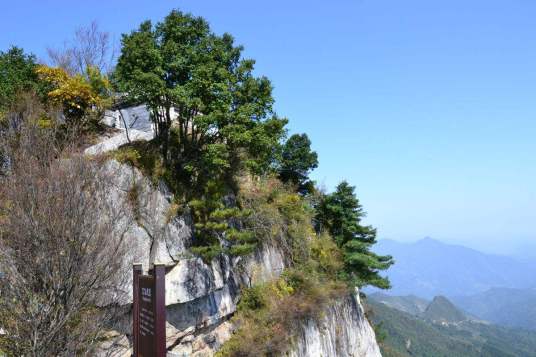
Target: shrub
x=278, y=216
x=133, y=195
x=144, y=156
x=64, y=244
x=269, y=315
x=76, y=94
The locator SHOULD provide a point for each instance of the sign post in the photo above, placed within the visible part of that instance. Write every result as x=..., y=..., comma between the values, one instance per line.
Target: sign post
x=149, y=312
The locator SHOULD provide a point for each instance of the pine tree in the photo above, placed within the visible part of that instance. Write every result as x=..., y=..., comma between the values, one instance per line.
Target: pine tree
x=340, y=214
x=297, y=161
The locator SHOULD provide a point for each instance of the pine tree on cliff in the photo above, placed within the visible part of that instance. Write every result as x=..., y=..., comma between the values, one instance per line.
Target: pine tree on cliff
x=340, y=214
x=297, y=161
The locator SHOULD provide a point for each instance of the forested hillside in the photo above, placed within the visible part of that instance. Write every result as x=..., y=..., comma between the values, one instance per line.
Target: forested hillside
x=403, y=334
x=502, y=306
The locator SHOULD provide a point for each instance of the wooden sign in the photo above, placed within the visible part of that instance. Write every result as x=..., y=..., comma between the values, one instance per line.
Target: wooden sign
x=149, y=312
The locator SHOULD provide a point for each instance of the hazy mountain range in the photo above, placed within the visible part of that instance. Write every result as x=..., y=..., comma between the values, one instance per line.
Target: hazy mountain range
x=487, y=287
x=439, y=328
x=410, y=304
x=440, y=309
x=428, y=268
x=503, y=306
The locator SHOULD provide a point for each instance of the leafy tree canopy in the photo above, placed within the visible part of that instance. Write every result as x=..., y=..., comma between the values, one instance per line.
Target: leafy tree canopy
x=340, y=214
x=223, y=112
x=16, y=74
x=297, y=161
x=213, y=117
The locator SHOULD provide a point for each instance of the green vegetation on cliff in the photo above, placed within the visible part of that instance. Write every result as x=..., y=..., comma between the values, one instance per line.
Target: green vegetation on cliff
x=270, y=313
x=223, y=153
x=225, y=158
x=340, y=214
x=224, y=130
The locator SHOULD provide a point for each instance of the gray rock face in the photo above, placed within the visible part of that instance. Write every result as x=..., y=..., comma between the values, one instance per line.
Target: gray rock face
x=167, y=237
x=137, y=117
x=117, y=141
x=344, y=331
x=200, y=297
x=134, y=123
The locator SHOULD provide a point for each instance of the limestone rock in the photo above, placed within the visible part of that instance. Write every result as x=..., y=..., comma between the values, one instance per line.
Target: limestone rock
x=136, y=117
x=344, y=331
x=117, y=141
x=116, y=345
x=204, y=344
x=201, y=297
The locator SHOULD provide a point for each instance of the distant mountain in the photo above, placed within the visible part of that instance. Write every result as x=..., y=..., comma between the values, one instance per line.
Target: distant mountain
x=503, y=306
x=442, y=310
x=403, y=335
x=439, y=310
x=428, y=268
x=410, y=304
x=526, y=252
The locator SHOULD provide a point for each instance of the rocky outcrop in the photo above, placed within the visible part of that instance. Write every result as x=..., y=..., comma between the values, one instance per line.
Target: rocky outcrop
x=116, y=141
x=201, y=297
x=343, y=331
x=128, y=124
x=134, y=118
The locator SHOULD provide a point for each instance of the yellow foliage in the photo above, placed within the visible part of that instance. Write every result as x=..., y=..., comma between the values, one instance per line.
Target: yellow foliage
x=281, y=288
x=44, y=122
x=326, y=255
x=55, y=76
x=75, y=93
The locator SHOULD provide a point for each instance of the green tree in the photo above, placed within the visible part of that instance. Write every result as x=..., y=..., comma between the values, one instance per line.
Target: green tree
x=223, y=113
x=340, y=213
x=213, y=117
x=17, y=74
x=297, y=161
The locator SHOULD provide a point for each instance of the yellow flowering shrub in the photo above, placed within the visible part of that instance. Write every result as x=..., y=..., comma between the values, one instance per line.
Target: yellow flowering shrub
x=76, y=94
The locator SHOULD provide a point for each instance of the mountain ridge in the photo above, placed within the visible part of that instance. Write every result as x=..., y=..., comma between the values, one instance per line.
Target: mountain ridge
x=442, y=310
x=504, y=306
x=429, y=267
x=403, y=335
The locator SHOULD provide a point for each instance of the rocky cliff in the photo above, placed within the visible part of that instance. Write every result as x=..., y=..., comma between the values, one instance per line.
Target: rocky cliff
x=200, y=297
x=344, y=331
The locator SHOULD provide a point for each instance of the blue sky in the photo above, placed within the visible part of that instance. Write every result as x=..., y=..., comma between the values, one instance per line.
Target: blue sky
x=428, y=107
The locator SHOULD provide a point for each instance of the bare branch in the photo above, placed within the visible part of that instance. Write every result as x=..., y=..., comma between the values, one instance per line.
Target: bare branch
x=62, y=246
x=89, y=47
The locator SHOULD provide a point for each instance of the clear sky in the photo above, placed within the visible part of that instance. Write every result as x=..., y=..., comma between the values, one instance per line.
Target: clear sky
x=428, y=107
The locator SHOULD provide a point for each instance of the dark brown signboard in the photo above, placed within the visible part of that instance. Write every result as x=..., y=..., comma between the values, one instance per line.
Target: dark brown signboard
x=149, y=312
